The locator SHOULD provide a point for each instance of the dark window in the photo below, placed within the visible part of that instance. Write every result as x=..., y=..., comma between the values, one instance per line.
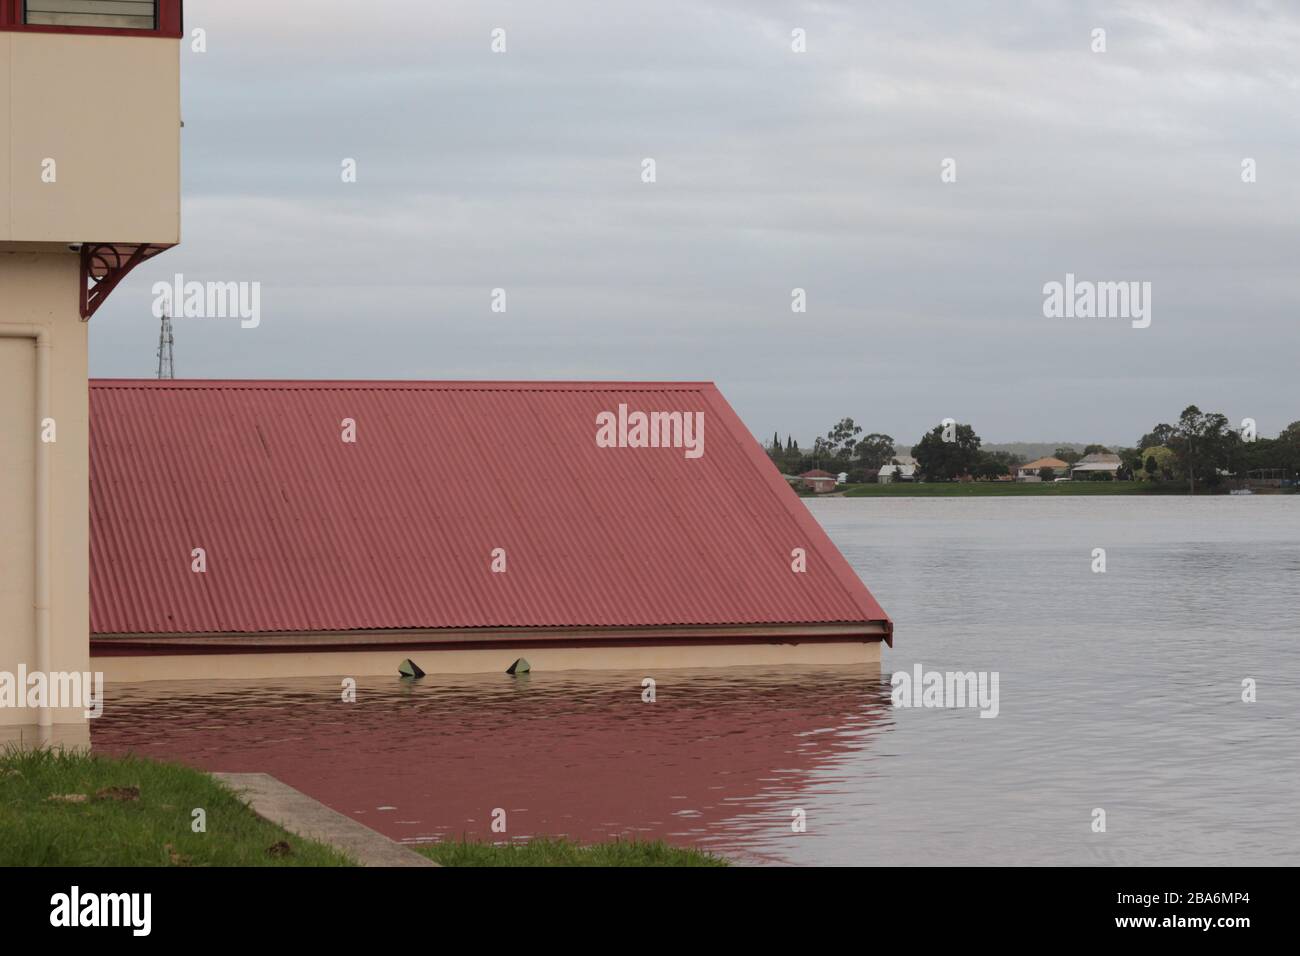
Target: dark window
x=104, y=14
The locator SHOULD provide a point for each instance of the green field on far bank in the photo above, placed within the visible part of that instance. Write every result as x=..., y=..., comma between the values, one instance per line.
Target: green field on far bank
x=60, y=808
x=980, y=489
x=546, y=851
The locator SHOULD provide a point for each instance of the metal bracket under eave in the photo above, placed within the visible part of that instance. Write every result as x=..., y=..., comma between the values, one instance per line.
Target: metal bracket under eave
x=104, y=265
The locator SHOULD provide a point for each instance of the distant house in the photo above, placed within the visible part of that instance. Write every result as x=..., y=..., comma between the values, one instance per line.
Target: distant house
x=842, y=478
x=818, y=481
x=902, y=468
x=1030, y=469
x=1090, y=465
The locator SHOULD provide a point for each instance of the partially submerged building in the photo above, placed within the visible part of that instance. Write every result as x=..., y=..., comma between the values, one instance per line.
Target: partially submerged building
x=277, y=528
x=208, y=529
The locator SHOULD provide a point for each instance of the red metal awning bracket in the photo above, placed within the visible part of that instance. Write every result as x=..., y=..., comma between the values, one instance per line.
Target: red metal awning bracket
x=104, y=265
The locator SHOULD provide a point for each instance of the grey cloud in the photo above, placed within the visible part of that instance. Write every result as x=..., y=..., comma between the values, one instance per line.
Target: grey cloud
x=776, y=170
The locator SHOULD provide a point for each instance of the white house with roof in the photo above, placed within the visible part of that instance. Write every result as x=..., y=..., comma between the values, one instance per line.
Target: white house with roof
x=1098, y=462
x=1030, y=469
x=902, y=468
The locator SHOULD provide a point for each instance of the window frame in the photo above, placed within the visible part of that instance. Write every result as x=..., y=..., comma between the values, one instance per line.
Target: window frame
x=169, y=22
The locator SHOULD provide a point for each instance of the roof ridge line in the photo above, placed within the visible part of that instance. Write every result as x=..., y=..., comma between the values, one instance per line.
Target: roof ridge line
x=399, y=384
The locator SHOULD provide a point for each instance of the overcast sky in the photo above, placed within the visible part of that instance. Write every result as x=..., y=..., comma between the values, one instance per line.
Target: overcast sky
x=775, y=170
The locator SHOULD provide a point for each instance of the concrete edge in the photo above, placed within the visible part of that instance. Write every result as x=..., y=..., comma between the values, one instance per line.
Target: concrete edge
x=298, y=813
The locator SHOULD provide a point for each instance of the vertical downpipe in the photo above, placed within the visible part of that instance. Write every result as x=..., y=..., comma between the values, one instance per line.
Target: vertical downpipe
x=44, y=542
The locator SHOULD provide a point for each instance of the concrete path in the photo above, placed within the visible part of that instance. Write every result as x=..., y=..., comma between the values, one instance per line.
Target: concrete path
x=295, y=811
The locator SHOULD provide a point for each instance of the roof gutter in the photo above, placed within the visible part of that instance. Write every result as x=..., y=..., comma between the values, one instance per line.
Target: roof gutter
x=41, y=336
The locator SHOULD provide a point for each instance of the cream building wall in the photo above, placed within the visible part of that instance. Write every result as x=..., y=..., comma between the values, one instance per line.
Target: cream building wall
x=106, y=110
x=89, y=153
x=375, y=663
x=38, y=293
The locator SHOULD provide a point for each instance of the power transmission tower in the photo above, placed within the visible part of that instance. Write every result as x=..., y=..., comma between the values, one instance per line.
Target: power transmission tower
x=166, y=366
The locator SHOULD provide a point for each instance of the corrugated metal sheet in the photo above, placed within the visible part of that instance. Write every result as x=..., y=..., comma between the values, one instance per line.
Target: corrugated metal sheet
x=304, y=532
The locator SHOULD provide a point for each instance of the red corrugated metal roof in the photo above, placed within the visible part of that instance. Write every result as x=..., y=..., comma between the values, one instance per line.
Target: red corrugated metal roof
x=304, y=532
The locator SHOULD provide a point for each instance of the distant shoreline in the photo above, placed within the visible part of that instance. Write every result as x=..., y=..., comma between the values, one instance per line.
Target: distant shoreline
x=1013, y=489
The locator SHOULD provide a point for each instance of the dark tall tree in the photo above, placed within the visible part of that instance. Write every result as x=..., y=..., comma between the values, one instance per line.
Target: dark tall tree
x=874, y=451
x=1159, y=436
x=841, y=439
x=1202, y=443
x=1131, y=457
x=822, y=450
x=1010, y=460
x=940, y=460
x=1286, y=452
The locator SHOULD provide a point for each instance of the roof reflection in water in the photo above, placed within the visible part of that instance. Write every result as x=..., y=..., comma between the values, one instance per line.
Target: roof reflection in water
x=719, y=760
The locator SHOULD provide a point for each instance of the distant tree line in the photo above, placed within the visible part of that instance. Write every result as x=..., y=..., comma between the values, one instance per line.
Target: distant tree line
x=843, y=449
x=1201, y=449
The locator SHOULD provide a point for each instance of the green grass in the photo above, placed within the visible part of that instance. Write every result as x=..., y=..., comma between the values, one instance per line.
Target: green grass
x=151, y=829
x=549, y=851
x=984, y=489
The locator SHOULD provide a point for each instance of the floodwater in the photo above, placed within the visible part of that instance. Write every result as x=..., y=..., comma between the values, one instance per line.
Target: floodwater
x=1119, y=691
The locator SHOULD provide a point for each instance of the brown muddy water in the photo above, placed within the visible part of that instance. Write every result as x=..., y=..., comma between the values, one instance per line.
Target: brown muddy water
x=1118, y=690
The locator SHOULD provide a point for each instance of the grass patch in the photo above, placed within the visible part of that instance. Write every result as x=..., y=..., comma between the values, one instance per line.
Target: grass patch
x=61, y=808
x=1012, y=489
x=560, y=851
